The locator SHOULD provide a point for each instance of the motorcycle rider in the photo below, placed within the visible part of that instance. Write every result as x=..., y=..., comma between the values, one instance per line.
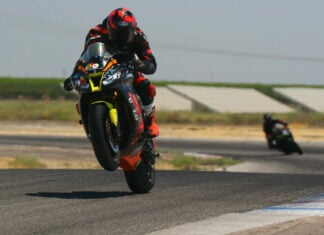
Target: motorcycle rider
x=268, y=125
x=123, y=38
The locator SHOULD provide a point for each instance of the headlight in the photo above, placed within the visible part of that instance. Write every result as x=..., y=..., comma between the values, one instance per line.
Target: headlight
x=109, y=78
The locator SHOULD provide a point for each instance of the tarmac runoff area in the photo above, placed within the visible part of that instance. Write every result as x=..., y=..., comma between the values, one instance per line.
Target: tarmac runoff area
x=168, y=100
x=311, y=98
x=227, y=100
x=283, y=219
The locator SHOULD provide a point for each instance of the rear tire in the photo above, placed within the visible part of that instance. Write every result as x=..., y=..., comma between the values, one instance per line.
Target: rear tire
x=142, y=179
x=105, y=146
x=298, y=149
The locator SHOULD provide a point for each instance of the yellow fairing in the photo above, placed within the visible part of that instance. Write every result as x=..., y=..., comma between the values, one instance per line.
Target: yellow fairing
x=95, y=88
x=113, y=114
x=92, y=76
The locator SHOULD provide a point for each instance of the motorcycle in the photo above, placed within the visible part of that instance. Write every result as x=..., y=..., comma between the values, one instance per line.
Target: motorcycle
x=112, y=116
x=284, y=140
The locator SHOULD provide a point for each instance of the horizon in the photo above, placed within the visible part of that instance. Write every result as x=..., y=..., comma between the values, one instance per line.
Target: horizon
x=217, y=41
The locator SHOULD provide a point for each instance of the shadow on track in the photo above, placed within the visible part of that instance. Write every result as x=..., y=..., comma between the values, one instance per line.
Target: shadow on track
x=80, y=194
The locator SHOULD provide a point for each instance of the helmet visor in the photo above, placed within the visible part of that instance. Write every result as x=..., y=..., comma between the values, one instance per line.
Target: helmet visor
x=122, y=36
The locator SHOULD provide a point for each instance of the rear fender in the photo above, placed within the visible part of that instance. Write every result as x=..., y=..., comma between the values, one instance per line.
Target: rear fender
x=130, y=162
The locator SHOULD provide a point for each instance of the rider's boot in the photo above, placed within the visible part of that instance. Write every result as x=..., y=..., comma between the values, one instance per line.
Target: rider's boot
x=152, y=127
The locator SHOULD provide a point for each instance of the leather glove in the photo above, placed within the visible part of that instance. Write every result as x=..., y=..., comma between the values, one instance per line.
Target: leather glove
x=68, y=84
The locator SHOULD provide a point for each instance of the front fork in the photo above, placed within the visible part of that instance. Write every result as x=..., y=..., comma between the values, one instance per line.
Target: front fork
x=82, y=109
x=113, y=119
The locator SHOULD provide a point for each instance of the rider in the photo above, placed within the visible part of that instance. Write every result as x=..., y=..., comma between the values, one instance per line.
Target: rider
x=122, y=36
x=268, y=125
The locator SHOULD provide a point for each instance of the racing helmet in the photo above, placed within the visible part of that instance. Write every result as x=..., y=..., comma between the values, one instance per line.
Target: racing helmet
x=121, y=25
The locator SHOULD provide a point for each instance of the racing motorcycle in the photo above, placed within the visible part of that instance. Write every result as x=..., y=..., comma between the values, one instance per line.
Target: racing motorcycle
x=284, y=140
x=112, y=116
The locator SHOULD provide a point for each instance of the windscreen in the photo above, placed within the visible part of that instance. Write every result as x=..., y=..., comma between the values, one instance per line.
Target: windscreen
x=96, y=51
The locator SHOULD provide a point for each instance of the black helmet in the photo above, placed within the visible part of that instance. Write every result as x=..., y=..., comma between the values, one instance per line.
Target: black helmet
x=267, y=116
x=121, y=25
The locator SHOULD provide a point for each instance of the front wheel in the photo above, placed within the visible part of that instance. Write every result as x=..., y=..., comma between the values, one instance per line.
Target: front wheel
x=104, y=143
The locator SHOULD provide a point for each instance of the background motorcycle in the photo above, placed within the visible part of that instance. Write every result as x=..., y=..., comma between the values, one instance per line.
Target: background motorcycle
x=284, y=140
x=112, y=117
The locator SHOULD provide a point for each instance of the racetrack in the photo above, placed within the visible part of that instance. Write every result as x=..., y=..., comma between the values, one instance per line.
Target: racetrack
x=95, y=201
x=99, y=202
x=254, y=154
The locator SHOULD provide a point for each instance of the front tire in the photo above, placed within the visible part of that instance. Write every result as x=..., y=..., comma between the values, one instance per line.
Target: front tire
x=105, y=145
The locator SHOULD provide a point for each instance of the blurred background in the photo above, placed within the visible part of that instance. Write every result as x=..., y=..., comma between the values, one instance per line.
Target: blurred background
x=251, y=41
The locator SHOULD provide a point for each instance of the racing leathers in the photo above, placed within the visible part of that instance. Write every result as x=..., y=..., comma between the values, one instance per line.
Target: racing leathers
x=268, y=126
x=139, y=54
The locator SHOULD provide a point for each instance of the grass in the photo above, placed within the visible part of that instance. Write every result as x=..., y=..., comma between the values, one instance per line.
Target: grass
x=64, y=110
x=183, y=162
x=26, y=162
x=33, y=88
x=59, y=110
x=208, y=118
x=258, y=86
x=45, y=99
x=51, y=88
x=170, y=160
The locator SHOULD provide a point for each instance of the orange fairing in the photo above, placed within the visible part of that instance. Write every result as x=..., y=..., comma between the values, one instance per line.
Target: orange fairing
x=108, y=66
x=129, y=163
x=82, y=69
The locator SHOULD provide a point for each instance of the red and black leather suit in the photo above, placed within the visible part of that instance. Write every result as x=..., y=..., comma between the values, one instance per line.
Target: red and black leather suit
x=139, y=47
x=128, y=44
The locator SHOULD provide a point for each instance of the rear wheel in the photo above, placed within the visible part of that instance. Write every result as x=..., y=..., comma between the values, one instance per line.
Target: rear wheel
x=104, y=142
x=142, y=179
x=298, y=149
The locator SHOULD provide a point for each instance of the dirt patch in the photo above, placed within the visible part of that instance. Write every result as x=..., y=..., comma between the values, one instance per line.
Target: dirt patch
x=60, y=158
x=301, y=132
x=51, y=157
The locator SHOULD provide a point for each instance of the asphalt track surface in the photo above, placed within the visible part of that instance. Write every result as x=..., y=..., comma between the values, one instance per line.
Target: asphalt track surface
x=99, y=202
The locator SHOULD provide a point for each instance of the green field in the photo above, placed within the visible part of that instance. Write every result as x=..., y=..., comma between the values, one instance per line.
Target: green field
x=45, y=99
x=51, y=88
